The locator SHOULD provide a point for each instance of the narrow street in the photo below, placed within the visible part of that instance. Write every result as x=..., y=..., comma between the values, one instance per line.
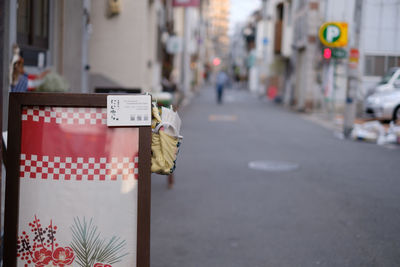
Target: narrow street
x=264, y=179
x=340, y=207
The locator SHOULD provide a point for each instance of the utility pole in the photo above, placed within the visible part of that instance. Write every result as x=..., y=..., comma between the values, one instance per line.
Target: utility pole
x=353, y=75
x=185, y=68
x=186, y=54
x=265, y=40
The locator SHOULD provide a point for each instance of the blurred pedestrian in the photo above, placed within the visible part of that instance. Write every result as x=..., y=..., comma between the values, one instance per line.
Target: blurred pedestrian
x=20, y=80
x=207, y=71
x=222, y=79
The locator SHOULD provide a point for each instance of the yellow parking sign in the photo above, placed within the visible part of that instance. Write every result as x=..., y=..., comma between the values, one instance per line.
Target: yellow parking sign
x=333, y=34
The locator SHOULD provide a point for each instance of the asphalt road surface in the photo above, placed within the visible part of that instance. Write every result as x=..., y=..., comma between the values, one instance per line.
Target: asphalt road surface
x=340, y=207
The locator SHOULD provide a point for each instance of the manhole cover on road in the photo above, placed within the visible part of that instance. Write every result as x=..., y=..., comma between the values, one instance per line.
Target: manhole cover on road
x=273, y=166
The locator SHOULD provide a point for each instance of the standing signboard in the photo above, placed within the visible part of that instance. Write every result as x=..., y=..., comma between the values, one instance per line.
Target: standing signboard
x=78, y=191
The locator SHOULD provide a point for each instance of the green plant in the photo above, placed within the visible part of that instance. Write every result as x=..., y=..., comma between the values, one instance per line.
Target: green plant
x=90, y=248
x=53, y=82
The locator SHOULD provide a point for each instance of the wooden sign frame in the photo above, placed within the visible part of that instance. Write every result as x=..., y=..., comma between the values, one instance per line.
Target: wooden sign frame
x=16, y=103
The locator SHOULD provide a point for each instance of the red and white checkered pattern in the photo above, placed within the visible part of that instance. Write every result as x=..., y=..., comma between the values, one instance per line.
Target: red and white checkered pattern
x=78, y=169
x=61, y=115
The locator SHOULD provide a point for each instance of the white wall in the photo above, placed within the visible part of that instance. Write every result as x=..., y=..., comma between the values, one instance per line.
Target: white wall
x=338, y=10
x=380, y=34
x=119, y=47
x=381, y=27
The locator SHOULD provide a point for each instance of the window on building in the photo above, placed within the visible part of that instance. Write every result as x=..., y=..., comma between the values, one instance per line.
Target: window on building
x=369, y=66
x=32, y=28
x=379, y=65
x=393, y=61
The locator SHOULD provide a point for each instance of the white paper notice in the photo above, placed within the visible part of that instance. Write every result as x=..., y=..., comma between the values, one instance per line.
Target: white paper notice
x=128, y=110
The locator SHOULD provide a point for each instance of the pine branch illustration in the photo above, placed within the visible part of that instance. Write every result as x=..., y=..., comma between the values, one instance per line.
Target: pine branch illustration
x=90, y=248
x=112, y=251
x=85, y=239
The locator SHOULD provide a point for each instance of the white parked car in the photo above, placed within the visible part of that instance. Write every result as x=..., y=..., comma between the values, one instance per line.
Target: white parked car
x=389, y=82
x=384, y=105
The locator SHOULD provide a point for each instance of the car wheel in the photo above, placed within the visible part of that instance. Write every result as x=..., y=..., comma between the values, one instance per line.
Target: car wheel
x=396, y=114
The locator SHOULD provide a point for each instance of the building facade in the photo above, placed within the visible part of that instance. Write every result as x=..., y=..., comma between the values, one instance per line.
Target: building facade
x=123, y=45
x=51, y=35
x=380, y=40
x=306, y=20
x=311, y=82
x=219, y=27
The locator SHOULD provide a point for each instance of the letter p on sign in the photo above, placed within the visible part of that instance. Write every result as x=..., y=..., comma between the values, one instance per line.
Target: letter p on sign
x=333, y=34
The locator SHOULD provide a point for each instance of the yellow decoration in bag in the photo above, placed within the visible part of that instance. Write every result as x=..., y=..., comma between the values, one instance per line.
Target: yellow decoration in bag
x=164, y=147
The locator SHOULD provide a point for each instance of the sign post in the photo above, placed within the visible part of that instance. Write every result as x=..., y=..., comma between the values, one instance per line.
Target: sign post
x=353, y=74
x=334, y=36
